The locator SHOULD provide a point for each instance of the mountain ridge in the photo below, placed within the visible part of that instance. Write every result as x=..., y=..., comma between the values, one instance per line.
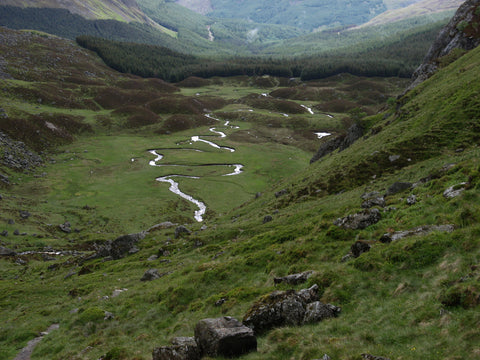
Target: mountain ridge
x=121, y=10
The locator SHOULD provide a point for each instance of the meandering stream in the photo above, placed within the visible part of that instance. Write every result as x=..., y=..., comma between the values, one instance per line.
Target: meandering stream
x=174, y=186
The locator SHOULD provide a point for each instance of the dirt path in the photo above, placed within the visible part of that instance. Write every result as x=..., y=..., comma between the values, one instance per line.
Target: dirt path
x=27, y=350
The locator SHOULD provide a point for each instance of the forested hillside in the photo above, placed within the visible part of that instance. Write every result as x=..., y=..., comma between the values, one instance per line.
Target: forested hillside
x=397, y=55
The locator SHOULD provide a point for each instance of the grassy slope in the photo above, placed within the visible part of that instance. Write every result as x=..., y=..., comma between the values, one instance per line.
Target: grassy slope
x=391, y=297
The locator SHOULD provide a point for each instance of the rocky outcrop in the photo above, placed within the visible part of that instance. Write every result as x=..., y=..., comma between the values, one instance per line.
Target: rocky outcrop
x=183, y=348
x=360, y=220
x=150, y=274
x=17, y=156
x=6, y=251
x=455, y=190
x=284, y=308
x=224, y=336
x=421, y=230
x=462, y=32
x=342, y=142
x=294, y=279
x=120, y=247
x=180, y=231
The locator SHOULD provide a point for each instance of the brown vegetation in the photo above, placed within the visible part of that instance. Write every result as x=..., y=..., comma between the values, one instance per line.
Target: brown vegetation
x=193, y=82
x=181, y=122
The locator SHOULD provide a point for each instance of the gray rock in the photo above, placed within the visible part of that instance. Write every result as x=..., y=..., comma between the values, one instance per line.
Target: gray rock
x=4, y=233
x=318, y=311
x=393, y=158
x=359, y=248
x=4, y=179
x=6, y=251
x=294, y=279
x=281, y=193
x=309, y=295
x=420, y=230
x=182, y=349
x=150, y=275
x=153, y=258
x=224, y=336
x=377, y=201
x=16, y=232
x=373, y=357
x=267, y=219
x=280, y=308
x=398, y=187
x=66, y=227
x=162, y=226
x=24, y=214
x=360, y=220
x=181, y=230
x=370, y=195
x=121, y=246
x=411, y=200
x=455, y=190
x=108, y=315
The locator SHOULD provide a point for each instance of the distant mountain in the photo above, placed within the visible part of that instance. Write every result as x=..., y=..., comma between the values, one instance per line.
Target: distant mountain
x=304, y=14
x=417, y=8
x=120, y=10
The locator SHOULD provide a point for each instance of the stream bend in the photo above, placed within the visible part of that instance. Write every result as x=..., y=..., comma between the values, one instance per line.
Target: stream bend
x=174, y=186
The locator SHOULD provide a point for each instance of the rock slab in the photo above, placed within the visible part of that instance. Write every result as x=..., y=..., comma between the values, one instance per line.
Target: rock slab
x=182, y=349
x=224, y=336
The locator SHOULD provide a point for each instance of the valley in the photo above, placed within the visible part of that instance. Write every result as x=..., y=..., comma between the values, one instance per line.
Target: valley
x=305, y=186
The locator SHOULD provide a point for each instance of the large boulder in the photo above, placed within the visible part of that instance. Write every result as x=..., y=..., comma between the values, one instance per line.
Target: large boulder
x=121, y=246
x=224, y=336
x=181, y=349
x=318, y=311
x=289, y=307
x=360, y=220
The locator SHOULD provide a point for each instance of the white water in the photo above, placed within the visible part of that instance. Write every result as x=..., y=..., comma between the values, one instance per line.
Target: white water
x=202, y=208
x=322, y=134
x=197, y=138
x=174, y=186
x=309, y=109
x=222, y=134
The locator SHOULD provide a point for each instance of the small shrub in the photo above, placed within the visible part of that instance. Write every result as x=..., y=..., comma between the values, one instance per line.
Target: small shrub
x=466, y=296
x=93, y=314
x=116, y=354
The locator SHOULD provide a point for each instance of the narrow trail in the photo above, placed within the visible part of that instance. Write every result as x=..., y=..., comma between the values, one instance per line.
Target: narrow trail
x=174, y=186
x=27, y=351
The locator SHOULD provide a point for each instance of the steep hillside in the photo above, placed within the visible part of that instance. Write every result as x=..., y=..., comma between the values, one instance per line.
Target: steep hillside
x=461, y=34
x=121, y=10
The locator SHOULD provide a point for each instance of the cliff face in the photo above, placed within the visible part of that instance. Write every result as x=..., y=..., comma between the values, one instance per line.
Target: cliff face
x=462, y=32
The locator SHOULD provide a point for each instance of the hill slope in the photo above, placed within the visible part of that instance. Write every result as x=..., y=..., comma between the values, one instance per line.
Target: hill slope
x=121, y=10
